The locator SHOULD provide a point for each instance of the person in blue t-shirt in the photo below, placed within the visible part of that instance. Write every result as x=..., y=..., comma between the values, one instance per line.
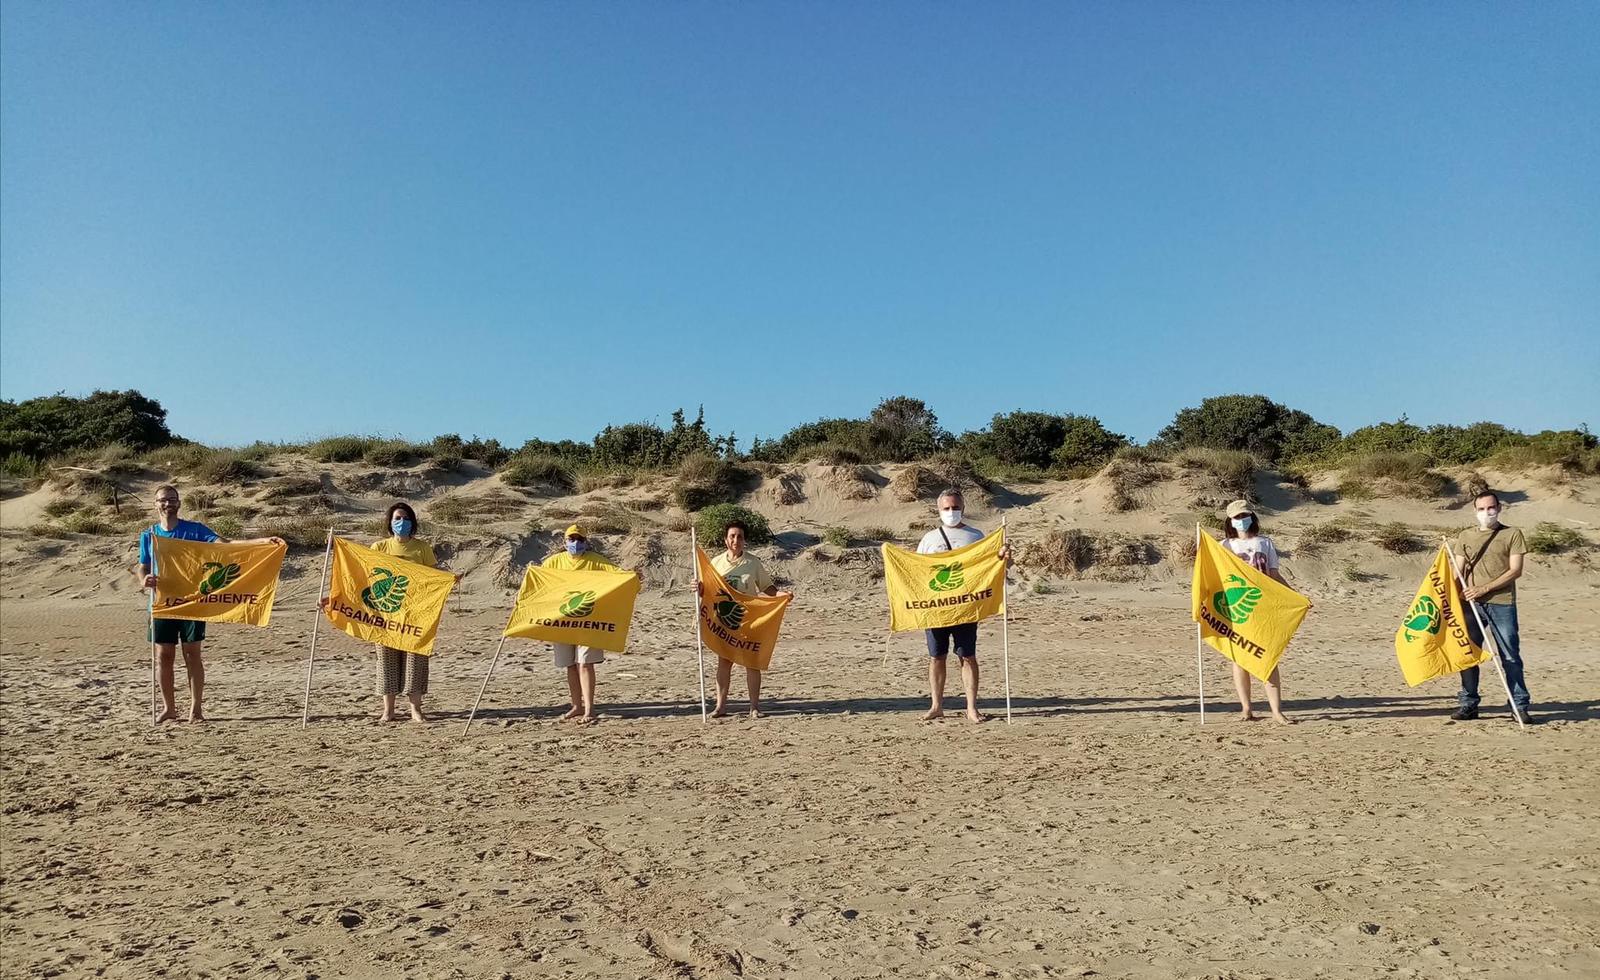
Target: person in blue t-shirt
x=169, y=634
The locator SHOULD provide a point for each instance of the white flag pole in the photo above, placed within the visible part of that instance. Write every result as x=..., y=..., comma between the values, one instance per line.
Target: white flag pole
x=316, y=620
x=1005, y=626
x=1487, y=634
x=155, y=699
x=485, y=685
x=699, y=644
x=1199, y=643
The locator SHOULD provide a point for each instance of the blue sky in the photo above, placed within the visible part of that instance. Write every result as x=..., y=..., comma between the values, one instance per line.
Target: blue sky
x=515, y=220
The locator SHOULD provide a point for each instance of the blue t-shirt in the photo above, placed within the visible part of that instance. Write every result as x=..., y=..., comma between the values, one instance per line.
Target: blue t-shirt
x=185, y=531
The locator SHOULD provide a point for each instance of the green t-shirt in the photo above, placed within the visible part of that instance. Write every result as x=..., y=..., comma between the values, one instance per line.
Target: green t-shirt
x=1494, y=562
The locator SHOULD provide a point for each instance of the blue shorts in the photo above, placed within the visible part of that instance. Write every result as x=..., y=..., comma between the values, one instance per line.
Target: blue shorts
x=963, y=637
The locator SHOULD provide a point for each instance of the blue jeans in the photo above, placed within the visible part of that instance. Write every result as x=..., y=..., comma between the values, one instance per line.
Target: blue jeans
x=1502, y=622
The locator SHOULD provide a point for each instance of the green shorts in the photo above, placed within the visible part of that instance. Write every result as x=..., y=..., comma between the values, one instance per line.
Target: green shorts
x=178, y=631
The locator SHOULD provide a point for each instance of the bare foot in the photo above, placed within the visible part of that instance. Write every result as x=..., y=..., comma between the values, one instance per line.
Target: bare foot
x=1282, y=719
x=933, y=713
x=386, y=716
x=588, y=719
x=417, y=715
x=571, y=714
x=171, y=714
x=195, y=717
x=1245, y=716
x=719, y=712
x=756, y=713
x=975, y=717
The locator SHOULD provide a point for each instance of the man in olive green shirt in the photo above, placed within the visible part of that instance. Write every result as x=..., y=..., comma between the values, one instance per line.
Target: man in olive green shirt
x=1490, y=557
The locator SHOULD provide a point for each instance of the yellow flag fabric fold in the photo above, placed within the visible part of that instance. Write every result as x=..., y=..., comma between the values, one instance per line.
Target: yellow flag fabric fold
x=735, y=626
x=384, y=599
x=1433, y=641
x=591, y=608
x=216, y=582
x=953, y=587
x=1243, y=613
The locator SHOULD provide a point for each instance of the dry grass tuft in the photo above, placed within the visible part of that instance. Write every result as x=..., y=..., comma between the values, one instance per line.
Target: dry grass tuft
x=1392, y=474
x=1396, y=538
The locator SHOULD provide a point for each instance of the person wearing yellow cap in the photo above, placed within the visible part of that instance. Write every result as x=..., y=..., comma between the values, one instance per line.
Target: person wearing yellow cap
x=1242, y=536
x=579, y=660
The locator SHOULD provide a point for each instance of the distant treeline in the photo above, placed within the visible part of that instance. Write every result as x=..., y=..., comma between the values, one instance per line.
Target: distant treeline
x=1017, y=444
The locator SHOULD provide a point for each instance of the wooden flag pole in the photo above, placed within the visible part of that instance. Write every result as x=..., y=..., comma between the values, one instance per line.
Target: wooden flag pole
x=699, y=643
x=1005, y=626
x=1199, y=643
x=1488, y=636
x=316, y=620
x=485, y=685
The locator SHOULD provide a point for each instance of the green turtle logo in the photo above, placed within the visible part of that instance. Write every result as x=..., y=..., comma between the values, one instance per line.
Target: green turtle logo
x=217, y=577
x=947, y=578
x=729, y=613
x=1236, y=602
x=577, y=604
x=1423, y=618
x=387, y=593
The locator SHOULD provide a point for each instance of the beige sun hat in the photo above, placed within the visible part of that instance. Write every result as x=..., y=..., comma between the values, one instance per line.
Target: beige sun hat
x=1239, y=508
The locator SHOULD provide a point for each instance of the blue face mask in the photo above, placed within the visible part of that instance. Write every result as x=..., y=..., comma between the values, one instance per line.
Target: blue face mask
x=402, y=527
x=1242, y=523
x=576, y=548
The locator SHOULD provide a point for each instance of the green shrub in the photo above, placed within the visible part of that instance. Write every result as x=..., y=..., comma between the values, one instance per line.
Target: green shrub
x=711, y=525
x=340, y=449
x=1551, y=539
x=226, y=525
x=445, y=462
x=704, y=480
x=224, y=466
x=89, y=522
x=1251, y=424
x=55, y=425
x=178, y=458
x=393, y=452
x=1041, y=441
x=839, y=537
x=1234, y=471
x=299, y=532
x=1405, y=474
x=527, y=471
x=832, y=453
x=21, y=466
x=878, y=534
x=61, y=507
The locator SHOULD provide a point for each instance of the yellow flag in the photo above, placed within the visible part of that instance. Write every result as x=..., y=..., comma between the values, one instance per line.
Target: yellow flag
x=735, y=626
x=384, y=599
x=953, y=587
x=591, y=608
x=1243, y=614
x=219, y=583
x=1433, y=640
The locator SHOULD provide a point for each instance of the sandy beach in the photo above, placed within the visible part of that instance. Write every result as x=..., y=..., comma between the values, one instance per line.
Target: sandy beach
x=1103, y=832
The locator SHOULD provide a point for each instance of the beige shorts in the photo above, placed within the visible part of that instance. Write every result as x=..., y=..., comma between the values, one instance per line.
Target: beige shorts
x=567, y=655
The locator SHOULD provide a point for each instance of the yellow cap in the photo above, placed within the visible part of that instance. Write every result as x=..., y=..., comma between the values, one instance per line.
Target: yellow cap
x=576, y=531
x=1239, y=508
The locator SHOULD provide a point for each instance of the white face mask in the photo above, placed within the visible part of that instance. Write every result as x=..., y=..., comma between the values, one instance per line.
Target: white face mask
x=951, y=518
x=1487, y=518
